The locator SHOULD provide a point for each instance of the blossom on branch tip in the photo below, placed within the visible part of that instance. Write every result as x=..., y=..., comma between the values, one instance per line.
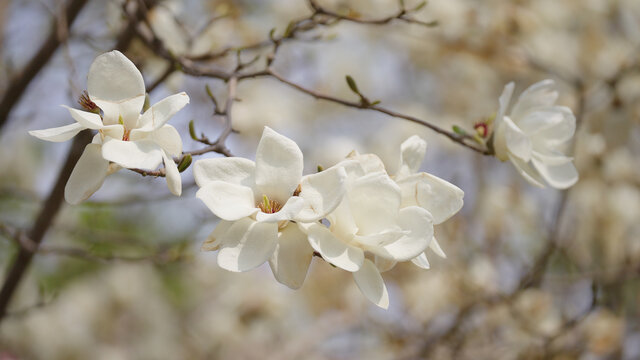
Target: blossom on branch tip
x=124, y=138
x=533, y=133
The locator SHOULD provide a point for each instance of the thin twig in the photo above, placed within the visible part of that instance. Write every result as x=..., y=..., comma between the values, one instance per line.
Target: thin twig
x=360, y=105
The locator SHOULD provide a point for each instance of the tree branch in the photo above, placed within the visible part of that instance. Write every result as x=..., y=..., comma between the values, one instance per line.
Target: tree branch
x=53, y=202
x=20, y=81
x=363, y=105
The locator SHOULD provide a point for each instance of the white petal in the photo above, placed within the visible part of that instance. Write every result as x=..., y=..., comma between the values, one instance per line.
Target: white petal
x=247, y=244
x=141, y=154
x=370, y=282
x=116, y=86
x=384, y=264
x=546, y=118
x=334, y=250
x=518, y=142
x=558, y=133
x=290, y=261
x=526, y=171
x=174, y=182
x=87, y=176
x=158, y=114
x=113, y=131
x=374, y=200
x=435, y=247
x=58, y=134
x=342, y=223
x=168, y=138
x=278, y=166
x=214, y=239
x=353, y=169
x=419, y=223
x=560, y=176
x=289, y=210
x=234, y=170
x=87, y=119
x=113, y=77
x=369, y=163
x=412, y=153
x=500, y=141
x=228, y=201
x=421, y=261
x=322, y=193
x=376, y=242
x=125, y=112
x=441, y=198
x=540, y=94
x=503, y=102
x=551, y=157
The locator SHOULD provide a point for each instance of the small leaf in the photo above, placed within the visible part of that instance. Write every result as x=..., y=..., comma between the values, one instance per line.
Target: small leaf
x=192, y=130
x=272, y=33
x=209, y=92
x=458, y=130
x=320, y=168
x=289, y=29
x=184, y=163
x=352, y=85
x=375, y=103
x=420, y=6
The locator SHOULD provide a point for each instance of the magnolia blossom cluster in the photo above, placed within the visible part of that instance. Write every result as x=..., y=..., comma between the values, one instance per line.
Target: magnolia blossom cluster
x=354, y=215
x=125, y=138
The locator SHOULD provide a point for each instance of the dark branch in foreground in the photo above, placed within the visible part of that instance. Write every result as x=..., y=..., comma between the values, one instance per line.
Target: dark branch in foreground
x=20, y=81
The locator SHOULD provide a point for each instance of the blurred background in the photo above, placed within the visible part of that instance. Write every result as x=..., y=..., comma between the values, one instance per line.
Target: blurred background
x=529, y=273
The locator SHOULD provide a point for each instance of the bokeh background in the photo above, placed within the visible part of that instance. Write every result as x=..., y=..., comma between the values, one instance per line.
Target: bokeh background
x=121, y=276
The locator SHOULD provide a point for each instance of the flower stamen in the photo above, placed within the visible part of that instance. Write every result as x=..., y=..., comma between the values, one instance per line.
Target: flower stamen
x=269, y=206
x=87, y=104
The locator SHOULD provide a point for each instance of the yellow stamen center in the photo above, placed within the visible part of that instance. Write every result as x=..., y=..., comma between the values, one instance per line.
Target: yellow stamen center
x=269, y=206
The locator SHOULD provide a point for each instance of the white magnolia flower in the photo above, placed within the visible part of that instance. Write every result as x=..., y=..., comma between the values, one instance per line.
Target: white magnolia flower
x=125, y=138
x=256, y=202
x=533, y=133
x=369, y=219
x=440, y=198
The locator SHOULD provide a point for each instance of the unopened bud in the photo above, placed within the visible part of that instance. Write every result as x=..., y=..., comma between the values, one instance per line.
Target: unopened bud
x=184, y=163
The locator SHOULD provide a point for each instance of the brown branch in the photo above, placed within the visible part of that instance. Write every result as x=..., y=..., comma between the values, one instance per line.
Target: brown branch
x=53, y=202
x=164, y=76
x=20, y=81
x=190, y=67
x=43, y=222
x=367, y=106
x=401, y=15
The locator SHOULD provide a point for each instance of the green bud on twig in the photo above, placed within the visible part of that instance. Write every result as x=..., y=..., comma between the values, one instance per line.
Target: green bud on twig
x=352, y=84
x=420, y=6
x=184, y=163
x=458, y=130
x=289, y=29
x=192, y=130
